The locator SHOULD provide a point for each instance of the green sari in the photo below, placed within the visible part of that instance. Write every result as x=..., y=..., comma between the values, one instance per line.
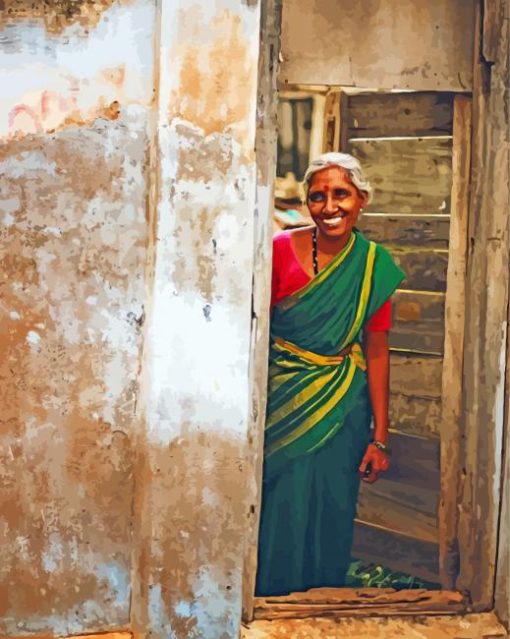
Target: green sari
x=318, y=419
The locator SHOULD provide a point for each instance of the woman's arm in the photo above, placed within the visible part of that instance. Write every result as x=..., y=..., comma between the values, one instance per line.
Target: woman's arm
x=378, y=373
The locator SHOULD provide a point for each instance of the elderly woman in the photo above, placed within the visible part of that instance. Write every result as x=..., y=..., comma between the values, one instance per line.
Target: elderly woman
x=328, y=378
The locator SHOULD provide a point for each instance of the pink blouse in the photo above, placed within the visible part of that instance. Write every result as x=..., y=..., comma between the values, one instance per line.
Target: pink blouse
x=288, y=277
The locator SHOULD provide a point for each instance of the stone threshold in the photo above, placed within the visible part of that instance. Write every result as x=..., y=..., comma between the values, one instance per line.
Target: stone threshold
x=470, y=626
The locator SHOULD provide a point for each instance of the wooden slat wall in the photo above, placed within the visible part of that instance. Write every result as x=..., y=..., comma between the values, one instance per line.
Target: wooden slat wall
x=410, y=175
x=418, y=321
x=409, y=230
x=418, y=114
x=404, y=142
x=405, y=146
x=415, y=397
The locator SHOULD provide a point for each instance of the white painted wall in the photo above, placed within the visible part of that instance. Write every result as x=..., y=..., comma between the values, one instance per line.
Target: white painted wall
x=195, y=497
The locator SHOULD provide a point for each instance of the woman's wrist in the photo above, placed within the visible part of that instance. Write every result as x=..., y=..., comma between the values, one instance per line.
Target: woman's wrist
x=381, y=433
x=382, y=446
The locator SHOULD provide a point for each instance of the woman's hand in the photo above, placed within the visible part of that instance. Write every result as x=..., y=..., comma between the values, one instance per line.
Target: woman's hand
x=374, y=459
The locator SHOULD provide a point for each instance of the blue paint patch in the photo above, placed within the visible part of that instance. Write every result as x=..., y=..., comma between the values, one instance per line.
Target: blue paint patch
x=119, y=582
x=49, y=563
x=183, y=609
x=158, y=619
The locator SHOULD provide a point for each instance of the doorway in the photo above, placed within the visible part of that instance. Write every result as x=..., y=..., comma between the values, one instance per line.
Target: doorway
x=405, y=142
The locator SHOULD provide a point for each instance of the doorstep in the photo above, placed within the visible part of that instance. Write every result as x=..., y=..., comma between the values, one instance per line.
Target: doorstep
x=470, y=626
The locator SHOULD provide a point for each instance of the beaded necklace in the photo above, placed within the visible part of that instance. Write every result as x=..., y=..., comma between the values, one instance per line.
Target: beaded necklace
x=315, y=258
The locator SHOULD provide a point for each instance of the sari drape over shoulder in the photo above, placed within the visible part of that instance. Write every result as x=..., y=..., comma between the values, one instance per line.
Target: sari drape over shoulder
x=316, y=367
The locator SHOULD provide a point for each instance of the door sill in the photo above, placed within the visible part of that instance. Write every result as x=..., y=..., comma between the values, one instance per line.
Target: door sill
x=360, y=602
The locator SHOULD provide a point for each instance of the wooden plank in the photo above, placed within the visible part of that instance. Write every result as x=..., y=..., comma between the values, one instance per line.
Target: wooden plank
x=485, y=625
x=409, y=230
x=502, y=589
x=418, y=321
x=425, y=269
x=415, y=462
x=451, y=426
x=502, y=594
x=487, y=285
x=415, y=415
x=413, y=497
x=493, y=15
x=370, y=596
x=408, y=175
x=404, y=500
x=380, y=506
x=338, y=602
x=418, y=306
x=396, y=552
x=420, y=338
x=331, y=122
x=414, y=376
x=376, y=115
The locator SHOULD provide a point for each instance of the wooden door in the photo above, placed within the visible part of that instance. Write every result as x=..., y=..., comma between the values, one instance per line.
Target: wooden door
x=404, y=142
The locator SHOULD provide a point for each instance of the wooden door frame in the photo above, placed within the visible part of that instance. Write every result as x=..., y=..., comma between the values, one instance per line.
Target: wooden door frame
x=453, y=357
x=473, y=379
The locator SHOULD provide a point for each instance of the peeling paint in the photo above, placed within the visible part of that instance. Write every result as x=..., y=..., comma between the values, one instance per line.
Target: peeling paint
x=51, y=83
x=73, y=195
x=57, y=15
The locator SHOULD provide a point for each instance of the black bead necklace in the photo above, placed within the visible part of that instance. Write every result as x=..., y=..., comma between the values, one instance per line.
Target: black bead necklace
x=315, y=258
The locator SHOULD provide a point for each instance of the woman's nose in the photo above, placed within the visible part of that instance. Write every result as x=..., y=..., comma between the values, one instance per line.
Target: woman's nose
x=330, y=205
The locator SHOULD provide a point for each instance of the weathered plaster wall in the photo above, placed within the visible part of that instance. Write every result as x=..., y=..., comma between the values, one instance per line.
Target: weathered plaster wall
x=194, y=500
x=77, y=87
x=265, y=146
x=402, y=44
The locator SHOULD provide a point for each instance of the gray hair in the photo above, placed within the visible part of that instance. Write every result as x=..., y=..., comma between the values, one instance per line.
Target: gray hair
x=343, y=161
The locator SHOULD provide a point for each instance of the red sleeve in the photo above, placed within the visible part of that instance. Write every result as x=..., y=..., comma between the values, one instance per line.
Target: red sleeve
x=274, y=282
x=278, y=259
x=381, y=319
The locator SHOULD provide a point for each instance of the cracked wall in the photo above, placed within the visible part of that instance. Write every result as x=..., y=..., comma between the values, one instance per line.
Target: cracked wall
x=77, y=82
x=195, y=504
x=128, y=201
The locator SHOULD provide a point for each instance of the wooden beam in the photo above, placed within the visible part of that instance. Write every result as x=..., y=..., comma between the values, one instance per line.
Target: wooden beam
x=347, y=602
x=343, y=124
x=502, y=594
x=486, y=315
x=331, y=122
x=451, y=424
x=493, y=17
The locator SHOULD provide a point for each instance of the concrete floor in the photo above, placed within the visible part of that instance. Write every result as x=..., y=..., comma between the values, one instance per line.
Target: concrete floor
x=476, y=626
x=480, y=626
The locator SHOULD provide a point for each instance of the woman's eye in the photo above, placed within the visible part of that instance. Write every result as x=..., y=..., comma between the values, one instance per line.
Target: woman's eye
x=341, y=193
x=316, y=197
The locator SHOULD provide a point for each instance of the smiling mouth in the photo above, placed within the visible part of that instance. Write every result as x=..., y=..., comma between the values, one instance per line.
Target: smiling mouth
x=333, y=221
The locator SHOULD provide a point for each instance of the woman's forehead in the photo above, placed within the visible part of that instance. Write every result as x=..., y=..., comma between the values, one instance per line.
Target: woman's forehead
x=329, y=177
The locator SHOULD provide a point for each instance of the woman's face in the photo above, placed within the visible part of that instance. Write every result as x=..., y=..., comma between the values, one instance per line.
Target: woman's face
x=334, y=202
